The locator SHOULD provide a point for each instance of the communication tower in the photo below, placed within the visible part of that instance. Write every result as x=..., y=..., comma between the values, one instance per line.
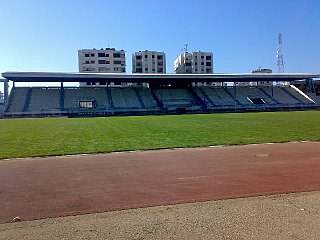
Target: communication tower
x=280, y=63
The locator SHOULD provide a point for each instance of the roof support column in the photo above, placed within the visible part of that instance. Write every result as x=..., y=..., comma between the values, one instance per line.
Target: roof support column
x=310, y=86
x=61, y=96
x=6, y=91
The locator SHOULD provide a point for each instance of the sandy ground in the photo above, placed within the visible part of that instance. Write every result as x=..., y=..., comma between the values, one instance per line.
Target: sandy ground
x=287, y=216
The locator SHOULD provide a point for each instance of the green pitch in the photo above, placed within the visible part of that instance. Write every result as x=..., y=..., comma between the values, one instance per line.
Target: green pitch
x=58, y=136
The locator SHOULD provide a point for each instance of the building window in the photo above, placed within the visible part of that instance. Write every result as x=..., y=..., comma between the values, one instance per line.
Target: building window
x=208, y=64
x=101, y=54
x=152, y=56
x=202, y=63
x=145, y=56
x=123, y=70
x=117, y=62
x=196, y=63
x=159, y=57
x=86, y=55
x=116, y=55
x=92, y=54
x=102, y=61
x=202, y=57
x=138, y=57
x=208, y=57
x=146, y=69
x=87, y=62
x=93, y=62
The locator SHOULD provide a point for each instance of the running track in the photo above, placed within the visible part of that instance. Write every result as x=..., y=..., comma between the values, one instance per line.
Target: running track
x=60, y=186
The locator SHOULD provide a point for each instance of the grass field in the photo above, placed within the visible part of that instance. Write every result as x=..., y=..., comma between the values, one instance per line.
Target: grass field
x=58, y=136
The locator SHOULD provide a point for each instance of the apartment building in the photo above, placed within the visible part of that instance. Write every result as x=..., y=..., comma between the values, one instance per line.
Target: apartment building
x=103, y=60
x=194, y=63
x=108, y=60
x=149, y=62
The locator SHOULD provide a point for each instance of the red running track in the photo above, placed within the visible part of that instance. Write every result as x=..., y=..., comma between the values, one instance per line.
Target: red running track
x=59, y=186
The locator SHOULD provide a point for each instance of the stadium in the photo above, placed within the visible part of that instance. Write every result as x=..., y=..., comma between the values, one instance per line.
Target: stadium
x=68, y=155
x=140, y=94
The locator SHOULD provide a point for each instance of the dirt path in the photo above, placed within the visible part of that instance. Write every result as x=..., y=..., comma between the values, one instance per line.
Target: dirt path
x=60, y=186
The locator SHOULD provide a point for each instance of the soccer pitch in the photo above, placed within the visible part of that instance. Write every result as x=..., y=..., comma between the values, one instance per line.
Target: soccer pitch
x=59, y=136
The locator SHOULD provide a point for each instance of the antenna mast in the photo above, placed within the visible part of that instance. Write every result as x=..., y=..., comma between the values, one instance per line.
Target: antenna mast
x=280, y=63
x=185, y=48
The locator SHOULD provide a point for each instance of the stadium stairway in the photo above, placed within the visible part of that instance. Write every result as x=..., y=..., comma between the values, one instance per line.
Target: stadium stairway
x=154, y=95
x=207, y=97
x=199, y=100
x=291, y=95
x=139, y=98
x=109, y=96
x=269, y=96
x=231, y=95
x=27, y=101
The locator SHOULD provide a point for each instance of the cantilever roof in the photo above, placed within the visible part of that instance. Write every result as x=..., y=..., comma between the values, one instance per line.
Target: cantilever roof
x=122, y=77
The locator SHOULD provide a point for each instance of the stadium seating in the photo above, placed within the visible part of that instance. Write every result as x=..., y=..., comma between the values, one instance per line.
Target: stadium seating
x=176, y=98
x=17, y=99
x=146, y=96
x=130, y=100
x=214, y=96
x=125, y=98
x=44, y=99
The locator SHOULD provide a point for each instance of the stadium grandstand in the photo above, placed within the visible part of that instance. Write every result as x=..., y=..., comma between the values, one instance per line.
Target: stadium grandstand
x=138, y=94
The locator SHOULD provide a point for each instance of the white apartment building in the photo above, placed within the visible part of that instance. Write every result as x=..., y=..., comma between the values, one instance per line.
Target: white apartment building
x=107, y=60
x=149, y=62
x=194, y=63
x=103, y=60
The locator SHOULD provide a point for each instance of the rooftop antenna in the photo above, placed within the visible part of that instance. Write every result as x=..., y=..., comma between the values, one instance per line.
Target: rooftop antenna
x=280, y=63
x=185, y=48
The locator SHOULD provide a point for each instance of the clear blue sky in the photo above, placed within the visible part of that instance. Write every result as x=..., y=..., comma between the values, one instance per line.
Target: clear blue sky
x=44, y=35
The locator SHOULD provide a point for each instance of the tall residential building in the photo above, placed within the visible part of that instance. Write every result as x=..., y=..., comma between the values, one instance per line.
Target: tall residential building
x=149, y=62
x=103, y=60
x=194, y=63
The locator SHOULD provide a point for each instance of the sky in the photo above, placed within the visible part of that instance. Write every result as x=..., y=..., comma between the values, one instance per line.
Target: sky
x=44, y=35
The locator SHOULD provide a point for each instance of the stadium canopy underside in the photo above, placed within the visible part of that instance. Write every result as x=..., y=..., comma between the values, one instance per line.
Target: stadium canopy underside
x=152, y=78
